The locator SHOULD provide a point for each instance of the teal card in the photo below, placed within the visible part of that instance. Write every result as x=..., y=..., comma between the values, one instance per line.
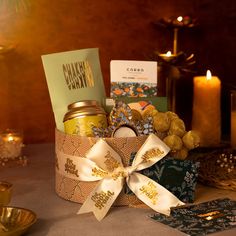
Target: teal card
x=203, y=218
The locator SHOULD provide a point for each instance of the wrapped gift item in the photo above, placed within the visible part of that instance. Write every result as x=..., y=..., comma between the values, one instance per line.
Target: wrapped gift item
x=95, y=161
x=104, y=166
x=179, y=177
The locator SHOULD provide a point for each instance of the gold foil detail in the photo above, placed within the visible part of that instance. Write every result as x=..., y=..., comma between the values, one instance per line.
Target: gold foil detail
x=150, y=154
x=99, y=173
x=150, y=191
x=111, y=163
x=211, y=215
x=101, y=198
x=71, y=168
x=118, y=174
x=78, y=75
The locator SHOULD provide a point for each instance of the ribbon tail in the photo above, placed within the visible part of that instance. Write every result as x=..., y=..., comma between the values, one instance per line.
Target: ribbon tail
x=102, y=197
x=152, y=194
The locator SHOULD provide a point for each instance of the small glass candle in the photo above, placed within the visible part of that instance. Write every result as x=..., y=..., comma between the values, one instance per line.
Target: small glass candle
x=5, y=193
x=11, y=143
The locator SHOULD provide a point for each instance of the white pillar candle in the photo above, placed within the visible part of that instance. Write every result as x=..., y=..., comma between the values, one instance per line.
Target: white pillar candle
x=206, y=118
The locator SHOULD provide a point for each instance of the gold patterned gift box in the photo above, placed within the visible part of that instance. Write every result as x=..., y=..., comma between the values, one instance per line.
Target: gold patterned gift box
x=77, y=191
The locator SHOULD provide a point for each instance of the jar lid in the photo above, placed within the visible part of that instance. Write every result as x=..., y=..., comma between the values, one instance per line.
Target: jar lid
x=83, y=103
x=83, y=108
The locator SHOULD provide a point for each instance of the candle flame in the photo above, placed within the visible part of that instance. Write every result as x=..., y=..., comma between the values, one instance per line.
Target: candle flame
x=208, y=75
x=10, y=138
x=168, y=54
x=179, y=18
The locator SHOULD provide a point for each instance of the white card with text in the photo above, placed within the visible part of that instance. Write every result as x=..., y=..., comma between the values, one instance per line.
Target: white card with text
x=133, y=78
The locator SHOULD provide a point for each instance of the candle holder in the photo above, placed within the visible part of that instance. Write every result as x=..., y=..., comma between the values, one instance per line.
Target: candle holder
x=173, y=66
x=175, y=24
x=11, y=144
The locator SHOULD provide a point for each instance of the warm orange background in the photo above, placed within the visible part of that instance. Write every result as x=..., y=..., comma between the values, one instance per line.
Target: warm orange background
x=120, y=29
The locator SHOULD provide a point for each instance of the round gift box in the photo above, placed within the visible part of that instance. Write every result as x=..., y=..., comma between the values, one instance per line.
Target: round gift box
x=77, y=191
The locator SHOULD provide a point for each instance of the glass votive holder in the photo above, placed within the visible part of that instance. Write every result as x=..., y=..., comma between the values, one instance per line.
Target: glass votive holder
x=11, y=144
x=233, y=119
x=5, y=193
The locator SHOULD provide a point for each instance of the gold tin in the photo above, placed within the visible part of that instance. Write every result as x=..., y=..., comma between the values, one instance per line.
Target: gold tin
x=82, y=116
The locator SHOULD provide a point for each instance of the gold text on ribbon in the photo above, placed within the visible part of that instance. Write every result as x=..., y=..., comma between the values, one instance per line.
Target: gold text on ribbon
x=154, y=152
x=99, y=172
x=100, y=199
x=150, y=191
x=110, y=162
x=118, y=174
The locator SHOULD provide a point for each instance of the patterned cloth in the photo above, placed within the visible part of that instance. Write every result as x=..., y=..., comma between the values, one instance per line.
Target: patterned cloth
x=203, y=218
x=179, y=177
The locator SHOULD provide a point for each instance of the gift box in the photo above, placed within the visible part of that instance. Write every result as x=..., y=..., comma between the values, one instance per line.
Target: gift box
x=179, y=177
x=95, y=170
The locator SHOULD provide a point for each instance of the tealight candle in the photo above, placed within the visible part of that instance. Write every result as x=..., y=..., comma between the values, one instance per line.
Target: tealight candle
x=206, y=118
x=11, y=143
x=124, y=131
x=167, y=56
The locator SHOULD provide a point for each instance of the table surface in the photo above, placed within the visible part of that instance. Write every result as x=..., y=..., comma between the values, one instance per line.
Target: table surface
x=34, y=188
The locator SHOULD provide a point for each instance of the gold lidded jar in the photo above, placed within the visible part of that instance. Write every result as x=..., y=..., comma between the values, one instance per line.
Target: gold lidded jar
x=82, y=116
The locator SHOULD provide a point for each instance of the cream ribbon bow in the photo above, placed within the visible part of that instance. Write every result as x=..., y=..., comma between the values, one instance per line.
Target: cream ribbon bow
x=104, y=164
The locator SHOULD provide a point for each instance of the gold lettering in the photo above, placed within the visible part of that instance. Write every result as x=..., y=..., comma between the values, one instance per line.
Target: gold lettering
x=89, y=74
x=150, y=191
x=70, y=167
x=110, y=162
x=118, y=174
x=100, y=199
x=78, y=75
x=211, y=215
x=99, y=172
x=150, y=154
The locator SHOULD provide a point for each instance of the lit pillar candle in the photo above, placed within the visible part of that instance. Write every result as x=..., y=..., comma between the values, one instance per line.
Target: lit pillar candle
x=206, y=118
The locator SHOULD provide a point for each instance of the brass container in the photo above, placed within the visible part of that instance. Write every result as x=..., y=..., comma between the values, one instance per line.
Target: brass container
x=15, y=221
x=82, y=116
x=5, y=193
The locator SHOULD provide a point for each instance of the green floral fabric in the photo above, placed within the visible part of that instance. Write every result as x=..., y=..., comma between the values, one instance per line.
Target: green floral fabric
x=179, y=177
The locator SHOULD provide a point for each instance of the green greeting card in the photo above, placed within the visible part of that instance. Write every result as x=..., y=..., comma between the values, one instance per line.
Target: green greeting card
x=72, y=76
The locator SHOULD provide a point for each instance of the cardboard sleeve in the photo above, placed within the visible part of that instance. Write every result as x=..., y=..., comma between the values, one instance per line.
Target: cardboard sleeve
x=77, y=191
